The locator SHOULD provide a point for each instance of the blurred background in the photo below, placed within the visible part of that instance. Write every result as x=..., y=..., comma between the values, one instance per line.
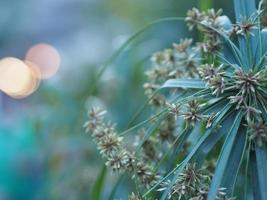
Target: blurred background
x=44, y=152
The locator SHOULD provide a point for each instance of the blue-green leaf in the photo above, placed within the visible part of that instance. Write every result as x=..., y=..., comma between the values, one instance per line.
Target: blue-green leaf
x=182, y=139
x=261, y=157
x=254, y=177
x=235, y=161
x=245, y=9
x=224, y=157
x=184, y=83
x=215, y=136
x=97, y=189
x=264, y=40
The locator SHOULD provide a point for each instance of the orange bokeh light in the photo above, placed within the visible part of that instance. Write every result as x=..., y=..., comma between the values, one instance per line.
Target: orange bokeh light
x=46, y=58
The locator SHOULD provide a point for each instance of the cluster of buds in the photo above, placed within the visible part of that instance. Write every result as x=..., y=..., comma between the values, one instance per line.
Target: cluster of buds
x=213, y=77
x=193, y=114
x=244, y=27
x=207, y=23
x=193, y=184
x=156, y=99
x=257, y=131
x=242, y=86
x=112, y=149
x=180, y=61
x=146, y=174
x=187, y=59
x=149, y=150
x=166, y=129
x=107, y=140
x=247, y=83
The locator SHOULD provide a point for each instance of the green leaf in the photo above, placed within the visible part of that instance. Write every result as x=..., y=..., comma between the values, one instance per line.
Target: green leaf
x=215, y=136
x=182, y=139
x=235, y=161
x=264, y=40
x=254, y=177
x=97, y=189
x=247, y=189
x=244, y=8
x=224, y=157
x=184, y=83
x=141, y=124
x=261, y=157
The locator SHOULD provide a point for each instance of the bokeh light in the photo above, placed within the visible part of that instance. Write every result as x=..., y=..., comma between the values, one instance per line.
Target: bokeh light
x=34, y=81
x=46, y=58
x=17, y=79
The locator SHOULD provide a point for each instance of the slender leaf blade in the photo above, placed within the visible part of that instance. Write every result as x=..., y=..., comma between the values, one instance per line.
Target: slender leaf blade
x=261, y=158
x=224, y=157
x=254, y=177
x=184, y=83
x=98, y=186
x=235, y=161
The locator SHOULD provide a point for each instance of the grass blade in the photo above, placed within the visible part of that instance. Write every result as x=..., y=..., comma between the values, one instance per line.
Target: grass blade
x=235, y=161
x=261, y=158
x=184, y=83
x=254, y=177
x=98, y=186
x=224, y=157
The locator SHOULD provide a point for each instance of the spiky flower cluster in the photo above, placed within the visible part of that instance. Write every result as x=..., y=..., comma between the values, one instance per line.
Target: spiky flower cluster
x=214, y=77
x=112, y=149
x=193, y=114
x=242, y=87
x=244, y=28
x=192, y=184
x=257, y=132
x=107, y=140
x=207, y=23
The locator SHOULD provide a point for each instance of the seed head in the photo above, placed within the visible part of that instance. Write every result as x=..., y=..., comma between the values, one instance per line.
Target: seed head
x=257, y=132
x=133, y=196
x=146, y=175
x=118, y=160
